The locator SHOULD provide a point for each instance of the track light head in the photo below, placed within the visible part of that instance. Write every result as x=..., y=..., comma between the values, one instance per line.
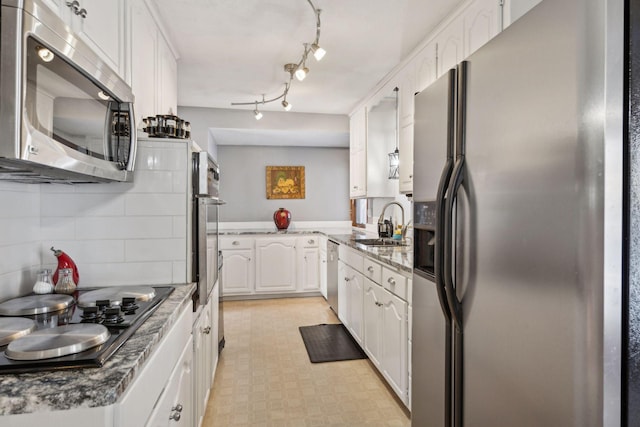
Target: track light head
x=301, y=73
x=318, y=52
x=286, y=105
x=257, y=114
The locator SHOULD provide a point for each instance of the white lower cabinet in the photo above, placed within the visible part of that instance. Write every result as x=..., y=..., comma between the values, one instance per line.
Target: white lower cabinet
x=373, y=305
x=205, y=355
x=394, y=344
x=175, y=405
x=309, y=263
x=270, y=264
x=275, y=264
x=342, y=294
x=354, y=285
x=372, y=314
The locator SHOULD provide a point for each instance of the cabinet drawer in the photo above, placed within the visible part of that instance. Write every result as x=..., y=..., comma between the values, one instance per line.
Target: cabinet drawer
x=395, y=283
x=351, y=257
x=227, y=243
x=308, y=241
x=372, y=270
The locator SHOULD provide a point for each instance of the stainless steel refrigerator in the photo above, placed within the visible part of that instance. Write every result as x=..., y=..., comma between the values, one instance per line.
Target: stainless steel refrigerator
x=518, y=235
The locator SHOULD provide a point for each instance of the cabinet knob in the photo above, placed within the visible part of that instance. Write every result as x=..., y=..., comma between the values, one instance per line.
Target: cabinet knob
x=311, y=241
x=346, y=279
x=177, y=408
x=370, y=269
x=207, y=330
x=175, y=416
x=82, y=13
x=391, y=281
x=379, y=304
x=235, y=243
x=411, y=176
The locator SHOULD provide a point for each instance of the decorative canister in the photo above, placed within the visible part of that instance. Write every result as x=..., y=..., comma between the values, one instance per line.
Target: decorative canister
x=282, y=218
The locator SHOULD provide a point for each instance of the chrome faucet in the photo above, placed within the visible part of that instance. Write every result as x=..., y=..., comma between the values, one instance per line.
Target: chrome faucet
x=381, y=220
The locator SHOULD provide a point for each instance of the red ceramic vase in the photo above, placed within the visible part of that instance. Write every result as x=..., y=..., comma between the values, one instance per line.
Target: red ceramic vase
x=282, y=218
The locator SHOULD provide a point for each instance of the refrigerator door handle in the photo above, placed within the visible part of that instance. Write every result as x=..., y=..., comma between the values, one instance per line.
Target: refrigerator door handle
x=455, y=306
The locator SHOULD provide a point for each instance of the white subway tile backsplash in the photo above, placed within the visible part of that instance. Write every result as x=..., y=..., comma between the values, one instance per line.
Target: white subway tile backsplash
x=18, y=257
x=140, y=227
x=85, y=251
x=16, y=283
x=76, y=205
x=180, y=272
x=57, y=228
x=153, y=182
x=137, y=273
x=156, y=204
x=156, y=250
x=162, y=156
x=180, y=182
x=17, y=204
x=19, y=230
x=181, y=227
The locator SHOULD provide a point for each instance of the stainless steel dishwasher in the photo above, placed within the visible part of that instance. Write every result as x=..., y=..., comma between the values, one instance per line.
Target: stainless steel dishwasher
x=332, y=275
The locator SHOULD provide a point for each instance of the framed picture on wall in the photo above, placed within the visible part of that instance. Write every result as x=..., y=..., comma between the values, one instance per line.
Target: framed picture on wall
x=285, y=182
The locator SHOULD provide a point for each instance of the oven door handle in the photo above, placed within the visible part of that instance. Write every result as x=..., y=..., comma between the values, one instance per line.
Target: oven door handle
x=210, y=200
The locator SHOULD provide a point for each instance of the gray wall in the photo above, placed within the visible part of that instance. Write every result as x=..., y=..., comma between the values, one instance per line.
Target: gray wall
x=243, y=183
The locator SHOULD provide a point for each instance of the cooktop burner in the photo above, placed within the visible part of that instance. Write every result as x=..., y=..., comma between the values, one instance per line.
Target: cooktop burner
x=73, y=336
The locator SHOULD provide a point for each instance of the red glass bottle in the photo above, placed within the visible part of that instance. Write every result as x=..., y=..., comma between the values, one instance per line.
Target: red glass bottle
x=282, y=218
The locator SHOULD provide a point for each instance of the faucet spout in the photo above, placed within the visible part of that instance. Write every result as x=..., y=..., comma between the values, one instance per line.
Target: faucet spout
x=381, y=219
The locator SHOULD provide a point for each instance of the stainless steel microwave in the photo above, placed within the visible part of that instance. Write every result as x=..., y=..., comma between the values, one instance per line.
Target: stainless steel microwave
x=65, y=116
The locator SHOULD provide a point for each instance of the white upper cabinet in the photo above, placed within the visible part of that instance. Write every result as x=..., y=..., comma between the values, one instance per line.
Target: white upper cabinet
x=481, y=23
x=449, y=42
x=100, y=24
x=144, y=36
x=154, y=70
x=358, y=154
x=426, y=68
x=102, y=28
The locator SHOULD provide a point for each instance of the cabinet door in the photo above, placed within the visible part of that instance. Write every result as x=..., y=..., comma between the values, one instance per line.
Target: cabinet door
x=215, y=338
x=144, y=36
x=481, y=24
x=237, y=272
x=103, y=30
x=450, y=46
x=355, y=288
x=323, y=273
x=358, y=154
x=174, y=408
x=168, y=78
x=394, y=344
x=310, y=269
x=405, y=169
x=426, y=69
x=276, y=264
x=200, y=364
x=372, y=314
x=343, y=296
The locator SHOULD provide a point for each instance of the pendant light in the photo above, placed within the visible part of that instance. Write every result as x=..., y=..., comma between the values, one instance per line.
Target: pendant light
x=394, y=157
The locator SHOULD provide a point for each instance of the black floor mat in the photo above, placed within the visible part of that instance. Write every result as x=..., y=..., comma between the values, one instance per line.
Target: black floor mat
x=330, y=343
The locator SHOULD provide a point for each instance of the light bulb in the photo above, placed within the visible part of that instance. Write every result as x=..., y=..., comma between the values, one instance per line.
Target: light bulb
x=318, y=52
x=301, y=73
x=103, y=96
x=258, y=114
x=45, y=54
x=286, y=105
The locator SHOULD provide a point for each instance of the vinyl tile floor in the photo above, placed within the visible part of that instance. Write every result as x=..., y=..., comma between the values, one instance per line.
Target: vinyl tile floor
x=264, y=376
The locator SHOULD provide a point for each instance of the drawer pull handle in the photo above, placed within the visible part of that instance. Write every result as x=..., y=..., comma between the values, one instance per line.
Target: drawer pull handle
x=370, y=269
x=235, y=243
x=391, y=281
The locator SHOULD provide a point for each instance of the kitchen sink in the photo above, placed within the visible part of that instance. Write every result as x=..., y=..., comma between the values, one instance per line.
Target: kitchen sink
x=381, y=242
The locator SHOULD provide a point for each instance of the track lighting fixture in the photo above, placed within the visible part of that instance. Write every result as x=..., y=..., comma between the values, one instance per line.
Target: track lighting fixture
x=298, y=69
x=318, y=52
x=256, y=113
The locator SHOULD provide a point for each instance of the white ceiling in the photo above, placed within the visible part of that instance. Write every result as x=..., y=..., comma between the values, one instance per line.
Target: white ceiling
x=235, y=50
